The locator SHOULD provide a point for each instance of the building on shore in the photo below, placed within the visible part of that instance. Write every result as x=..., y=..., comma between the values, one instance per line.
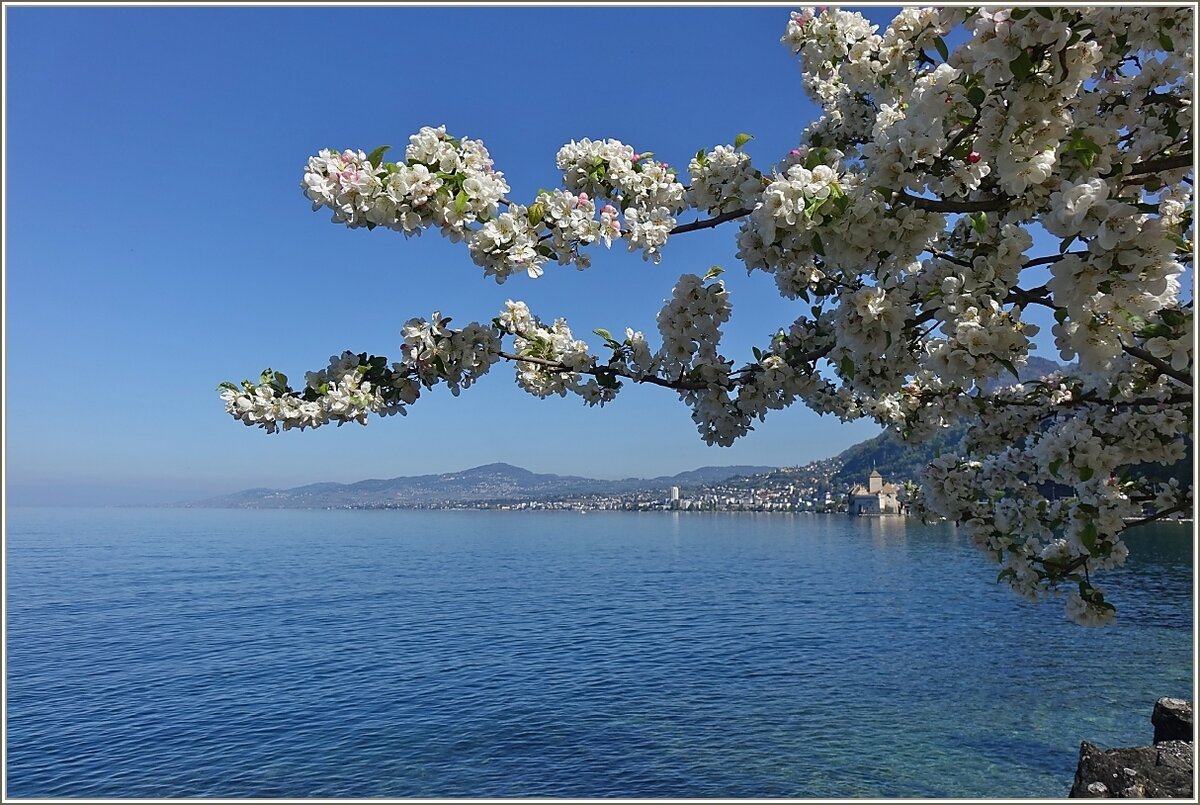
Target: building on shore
x=876, y=498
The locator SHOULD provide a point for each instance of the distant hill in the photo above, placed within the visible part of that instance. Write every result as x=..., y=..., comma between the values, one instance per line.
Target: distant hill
x=896, y=459
x=711, y=475
x=487, y=483
x=901, y=461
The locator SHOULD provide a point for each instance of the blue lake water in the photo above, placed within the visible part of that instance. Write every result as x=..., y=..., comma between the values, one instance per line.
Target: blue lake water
x=287, y=654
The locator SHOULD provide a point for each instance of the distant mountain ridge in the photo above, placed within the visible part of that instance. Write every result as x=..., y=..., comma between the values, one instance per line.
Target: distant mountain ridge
x=497, y=482
x=500, y=483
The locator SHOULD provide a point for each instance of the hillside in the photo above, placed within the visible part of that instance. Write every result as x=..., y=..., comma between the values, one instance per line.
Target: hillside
x=488, y=483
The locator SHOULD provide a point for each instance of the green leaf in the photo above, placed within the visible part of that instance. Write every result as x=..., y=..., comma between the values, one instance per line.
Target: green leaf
x=1060, y=315
x=942, y=50
x=1022, y=66
x=1179, y=241
x=713, y=273
x=1055, y=465
x=1006, y=573
x=701, y=158
x=742, y=139
x=818, y=246
x=847, y=366
x=1088, y=536
x=1086, y=473
x=1008, y=365
x=1173, y=317
x=976, y=95
x=1066, y=244
x=605, y=334
x=979, y=222
x=536, y=212
x=1045, y=12
x=460, y=202
x=1165, y=43
x=376, y=156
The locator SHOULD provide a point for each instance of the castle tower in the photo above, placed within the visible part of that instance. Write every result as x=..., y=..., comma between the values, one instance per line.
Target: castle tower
x=875, y=483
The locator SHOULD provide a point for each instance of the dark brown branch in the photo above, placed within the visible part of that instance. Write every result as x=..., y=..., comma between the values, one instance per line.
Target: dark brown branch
x=709, y=223
x=1054, y=258
x=950, y=205
x=1163, y=164
x=1158, y=364
x=1033, y=296
x=678, y=385
x=1182, y=507
x=995, y=204
x=1090, y=399
x=958, y=261
x=958, y=138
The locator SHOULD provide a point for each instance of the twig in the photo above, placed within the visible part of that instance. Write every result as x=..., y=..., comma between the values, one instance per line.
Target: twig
x=709, y=223
x=1157, y=363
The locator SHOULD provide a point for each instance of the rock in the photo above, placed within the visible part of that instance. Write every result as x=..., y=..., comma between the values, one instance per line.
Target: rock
x=1164, y=770
x=1172, y=720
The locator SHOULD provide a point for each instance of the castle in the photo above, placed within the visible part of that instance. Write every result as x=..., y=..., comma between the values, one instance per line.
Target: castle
x=876, y=498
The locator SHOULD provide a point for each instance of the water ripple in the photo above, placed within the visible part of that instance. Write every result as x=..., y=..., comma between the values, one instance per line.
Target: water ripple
x=399, y=654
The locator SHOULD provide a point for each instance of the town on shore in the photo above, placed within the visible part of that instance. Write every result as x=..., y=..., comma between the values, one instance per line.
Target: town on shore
x=807, y=489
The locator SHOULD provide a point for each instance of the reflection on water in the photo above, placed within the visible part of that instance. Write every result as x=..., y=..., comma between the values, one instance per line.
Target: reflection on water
x=886, y=529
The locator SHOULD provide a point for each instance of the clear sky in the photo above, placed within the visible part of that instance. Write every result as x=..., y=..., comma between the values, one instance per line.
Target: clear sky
x=158, y=243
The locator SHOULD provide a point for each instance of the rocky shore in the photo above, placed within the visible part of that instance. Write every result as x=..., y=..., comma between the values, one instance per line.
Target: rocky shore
x=1161, y=770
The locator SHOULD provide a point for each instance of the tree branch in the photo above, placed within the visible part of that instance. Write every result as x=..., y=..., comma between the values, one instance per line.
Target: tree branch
x=1182, y=507
x=1054, y=258
x=996, y=204
x=958, y=261
x=1163, y=164
x=1034, y=296
x=678, y=385
x=1158, y=364
x=709, y=223
x=950, y=205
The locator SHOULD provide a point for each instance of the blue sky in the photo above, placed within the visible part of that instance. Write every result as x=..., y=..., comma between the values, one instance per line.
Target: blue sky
x=158, y=242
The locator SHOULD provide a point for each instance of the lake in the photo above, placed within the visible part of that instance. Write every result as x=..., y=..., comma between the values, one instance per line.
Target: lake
x=288, y=654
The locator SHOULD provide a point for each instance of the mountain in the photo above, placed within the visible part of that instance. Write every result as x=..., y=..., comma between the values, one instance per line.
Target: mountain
x=896, y=459
x=487, y=483
x=899, y=461
x=500, y=483
x=711, y=475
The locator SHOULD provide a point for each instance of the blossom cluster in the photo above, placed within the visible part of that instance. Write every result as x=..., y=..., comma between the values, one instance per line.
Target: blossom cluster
x=646, y=190
x=349, y=389
x=443, y=182
x=904, y=219
x=723, y=179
